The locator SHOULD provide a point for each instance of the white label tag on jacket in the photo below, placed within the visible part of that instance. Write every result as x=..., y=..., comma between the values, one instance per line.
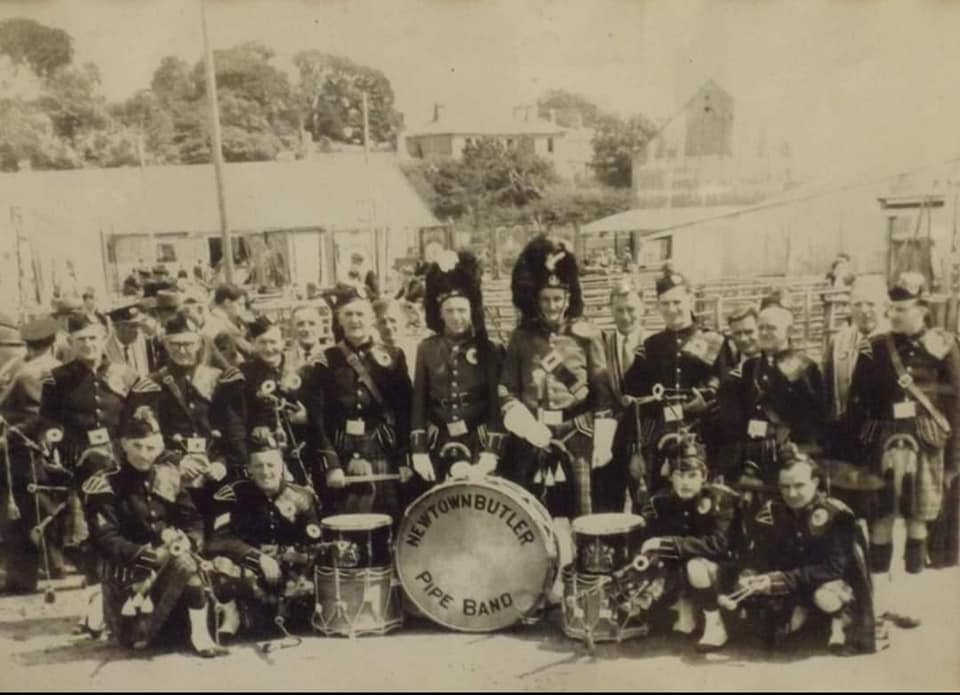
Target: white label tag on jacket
x=673, y=413
x=356, y=427
x=904, y=410
x=457, y=428
x=757, y=429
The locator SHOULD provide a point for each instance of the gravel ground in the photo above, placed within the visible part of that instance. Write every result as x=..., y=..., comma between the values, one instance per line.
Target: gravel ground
x=42, y=654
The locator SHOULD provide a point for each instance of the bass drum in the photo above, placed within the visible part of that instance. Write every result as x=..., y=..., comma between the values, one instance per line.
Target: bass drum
x=477, y=555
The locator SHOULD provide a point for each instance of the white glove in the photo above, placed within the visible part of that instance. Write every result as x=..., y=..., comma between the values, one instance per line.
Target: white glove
x=486, y=463
x=603, y=429
x=423, y=466
x=518, y=420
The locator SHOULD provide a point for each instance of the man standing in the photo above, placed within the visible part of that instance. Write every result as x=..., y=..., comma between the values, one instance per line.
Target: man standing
x=359, y=400
x=621, y=346
x=226, y=316
x=773, y=398
x=554, y=387
x=685, y=361
x=868, y=303
x=307, y=326
x=87, y=397
x=905, y=396
x=743, y=336
x=456, y=414
x=126, y=343
x=361, y=277
x=21, y=408
x=273, y=388
x=192, y=402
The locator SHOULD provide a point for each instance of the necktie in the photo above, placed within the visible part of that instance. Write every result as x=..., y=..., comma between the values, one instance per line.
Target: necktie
x=126, y=355
x=626, y=355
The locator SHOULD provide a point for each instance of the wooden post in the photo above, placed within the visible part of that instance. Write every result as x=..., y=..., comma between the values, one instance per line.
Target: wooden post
x=217, y=147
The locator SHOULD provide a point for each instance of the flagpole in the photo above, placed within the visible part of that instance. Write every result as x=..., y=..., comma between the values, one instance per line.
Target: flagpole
x=217, y=147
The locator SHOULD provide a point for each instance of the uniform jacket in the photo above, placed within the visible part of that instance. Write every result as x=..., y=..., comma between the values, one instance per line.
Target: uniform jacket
x=698, y=527
x=456, y=380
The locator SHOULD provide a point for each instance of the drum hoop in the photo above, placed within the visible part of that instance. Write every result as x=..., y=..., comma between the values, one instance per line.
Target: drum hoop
x=355, y=572
x=356, y=522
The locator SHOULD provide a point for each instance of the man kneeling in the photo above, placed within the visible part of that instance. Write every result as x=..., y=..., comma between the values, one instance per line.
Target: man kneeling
x=264, y=531
x=688, y=527
x=804, y=551
x=147, y=532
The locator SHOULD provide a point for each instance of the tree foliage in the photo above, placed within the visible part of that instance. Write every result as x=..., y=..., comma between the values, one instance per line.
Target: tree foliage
x=331, y=88
x=43, y=49
x=615, y=143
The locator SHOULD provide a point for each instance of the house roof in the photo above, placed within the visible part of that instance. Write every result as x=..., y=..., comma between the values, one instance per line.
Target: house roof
x=478, y=125
x=652, y=220
x=336, y=191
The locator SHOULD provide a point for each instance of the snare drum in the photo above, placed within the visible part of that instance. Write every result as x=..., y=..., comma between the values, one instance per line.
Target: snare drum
x=356, y=602
x=604, y=543
x=362, y=540
x=591, y=611
x=476, y=555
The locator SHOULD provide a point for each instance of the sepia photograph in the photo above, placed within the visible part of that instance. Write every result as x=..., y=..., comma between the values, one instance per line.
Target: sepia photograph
x=479, y=345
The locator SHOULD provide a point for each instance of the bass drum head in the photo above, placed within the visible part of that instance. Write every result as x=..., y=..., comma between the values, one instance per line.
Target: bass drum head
x=476, y=556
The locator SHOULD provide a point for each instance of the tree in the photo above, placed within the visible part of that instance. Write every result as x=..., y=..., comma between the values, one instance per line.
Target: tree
x=490, y=176
x=616, y=142
x=41, y=48
x=331, y=91
x=28, y=135
x=73, y=102
x=568, y=109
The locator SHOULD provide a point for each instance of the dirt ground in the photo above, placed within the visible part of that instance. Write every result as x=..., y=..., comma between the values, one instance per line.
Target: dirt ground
x=41, y=653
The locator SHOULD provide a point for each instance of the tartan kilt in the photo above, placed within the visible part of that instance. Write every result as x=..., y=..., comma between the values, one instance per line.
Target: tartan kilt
x=121, y=580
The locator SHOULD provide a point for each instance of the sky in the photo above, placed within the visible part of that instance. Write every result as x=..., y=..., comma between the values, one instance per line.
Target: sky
x=855, y=85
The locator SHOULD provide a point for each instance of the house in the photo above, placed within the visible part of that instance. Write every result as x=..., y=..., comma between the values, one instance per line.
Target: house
x=886, y=225
x=712, y=154
x=445, y=137
x=296, y=222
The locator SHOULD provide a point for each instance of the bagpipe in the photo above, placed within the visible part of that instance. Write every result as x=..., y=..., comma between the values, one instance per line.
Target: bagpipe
x=274, y=396
x=49, y=460
x=202, y=451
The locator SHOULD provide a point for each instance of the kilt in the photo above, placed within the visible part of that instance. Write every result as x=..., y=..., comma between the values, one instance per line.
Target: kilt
x=121, y=580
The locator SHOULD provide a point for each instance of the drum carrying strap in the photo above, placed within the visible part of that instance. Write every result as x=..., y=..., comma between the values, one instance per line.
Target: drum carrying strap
x=906, y=382
x=363, y=374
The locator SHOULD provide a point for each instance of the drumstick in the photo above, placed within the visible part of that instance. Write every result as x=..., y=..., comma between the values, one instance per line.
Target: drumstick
x=371, y=478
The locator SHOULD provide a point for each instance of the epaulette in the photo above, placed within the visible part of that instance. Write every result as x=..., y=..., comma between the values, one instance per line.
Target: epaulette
x=937, y=342
x=793, y=365
x=145, y=385
x=230, y=375
x=227, y=493
x=120, y=379
x=705, y=346
x=97, y=485
x=584, y=329
x=205, y=380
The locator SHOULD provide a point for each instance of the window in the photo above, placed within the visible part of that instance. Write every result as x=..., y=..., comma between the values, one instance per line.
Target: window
x=166, y=253
x=655, y=251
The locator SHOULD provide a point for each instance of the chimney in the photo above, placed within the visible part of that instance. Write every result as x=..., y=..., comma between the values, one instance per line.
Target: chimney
x=437, y=110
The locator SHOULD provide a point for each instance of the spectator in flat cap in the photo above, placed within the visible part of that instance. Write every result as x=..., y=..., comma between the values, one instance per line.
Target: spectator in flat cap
x=226, y=316
x=126, y=342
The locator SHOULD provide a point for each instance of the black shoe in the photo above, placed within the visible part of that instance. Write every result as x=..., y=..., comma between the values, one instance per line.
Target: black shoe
x=213, y=652
x=904, y=622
